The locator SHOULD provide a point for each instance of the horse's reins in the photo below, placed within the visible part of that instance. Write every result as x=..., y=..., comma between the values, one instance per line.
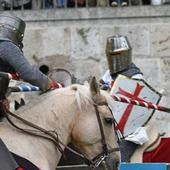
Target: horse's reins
x=96, y=161
x=53, y=136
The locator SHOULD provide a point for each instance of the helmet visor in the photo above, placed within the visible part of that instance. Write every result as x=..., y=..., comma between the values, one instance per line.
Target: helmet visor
x=118, y=52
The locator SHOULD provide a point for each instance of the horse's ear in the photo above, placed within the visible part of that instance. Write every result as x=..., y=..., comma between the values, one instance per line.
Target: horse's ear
x=94, y=87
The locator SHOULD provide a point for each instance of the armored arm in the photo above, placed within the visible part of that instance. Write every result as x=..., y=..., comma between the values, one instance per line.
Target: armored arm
x=15, y=58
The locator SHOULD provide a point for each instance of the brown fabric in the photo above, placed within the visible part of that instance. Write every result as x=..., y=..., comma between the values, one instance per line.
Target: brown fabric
x=4, y=82
x=3, y=107
x=5, y=103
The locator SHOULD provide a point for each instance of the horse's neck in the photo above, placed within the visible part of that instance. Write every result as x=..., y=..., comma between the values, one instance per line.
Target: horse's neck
x=56, y=114
x=52, y=115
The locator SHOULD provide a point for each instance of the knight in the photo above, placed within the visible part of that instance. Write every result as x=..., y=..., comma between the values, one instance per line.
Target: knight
x=13, y=61
x=119, y=59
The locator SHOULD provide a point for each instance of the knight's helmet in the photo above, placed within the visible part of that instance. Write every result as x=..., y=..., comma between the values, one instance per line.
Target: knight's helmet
x=12, y=29
x=118, y=52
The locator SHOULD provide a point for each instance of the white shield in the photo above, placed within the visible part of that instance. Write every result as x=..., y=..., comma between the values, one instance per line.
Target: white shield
x=130, y=117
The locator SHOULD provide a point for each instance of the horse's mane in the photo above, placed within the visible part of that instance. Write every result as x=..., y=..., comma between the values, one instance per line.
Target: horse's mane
x=84, y=98
x=82, y=95
x=80, y=92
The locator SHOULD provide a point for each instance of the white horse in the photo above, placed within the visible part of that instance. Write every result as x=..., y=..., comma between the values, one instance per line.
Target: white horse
x=78, y=114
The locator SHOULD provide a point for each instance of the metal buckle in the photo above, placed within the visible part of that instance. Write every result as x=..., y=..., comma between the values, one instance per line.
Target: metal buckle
x=100, y=160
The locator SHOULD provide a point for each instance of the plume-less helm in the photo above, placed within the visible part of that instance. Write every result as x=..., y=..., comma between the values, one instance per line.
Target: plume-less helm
x=12, y=29
x=118, y=52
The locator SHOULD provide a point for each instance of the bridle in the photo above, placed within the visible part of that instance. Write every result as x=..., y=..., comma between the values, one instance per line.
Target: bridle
x=97, y=160
x=53, y=136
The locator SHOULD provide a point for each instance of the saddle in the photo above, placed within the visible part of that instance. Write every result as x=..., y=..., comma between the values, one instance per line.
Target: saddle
x=154, y=141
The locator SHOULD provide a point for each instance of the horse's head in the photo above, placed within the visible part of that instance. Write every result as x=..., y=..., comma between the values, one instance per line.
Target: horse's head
x=93, y=130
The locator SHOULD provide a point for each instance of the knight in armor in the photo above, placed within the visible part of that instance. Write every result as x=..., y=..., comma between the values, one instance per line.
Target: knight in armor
x=12, y=59
x=119, y=58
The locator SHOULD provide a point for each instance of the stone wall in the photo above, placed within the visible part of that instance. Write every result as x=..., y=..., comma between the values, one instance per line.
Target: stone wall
x=75, y=39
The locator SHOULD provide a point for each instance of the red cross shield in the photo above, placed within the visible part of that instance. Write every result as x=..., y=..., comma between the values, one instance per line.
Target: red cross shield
x=129, y=117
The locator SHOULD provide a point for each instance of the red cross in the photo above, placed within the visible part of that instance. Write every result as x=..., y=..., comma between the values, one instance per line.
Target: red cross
x=129, y=108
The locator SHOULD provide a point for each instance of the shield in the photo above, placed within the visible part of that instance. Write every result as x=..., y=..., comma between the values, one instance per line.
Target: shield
x=130, y=117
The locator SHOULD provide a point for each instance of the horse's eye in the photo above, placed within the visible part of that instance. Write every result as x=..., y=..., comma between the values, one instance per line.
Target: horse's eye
x=108, y=120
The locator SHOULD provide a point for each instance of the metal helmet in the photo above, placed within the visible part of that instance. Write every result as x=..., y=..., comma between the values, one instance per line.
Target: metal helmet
x=118, y=52
x=12, y=29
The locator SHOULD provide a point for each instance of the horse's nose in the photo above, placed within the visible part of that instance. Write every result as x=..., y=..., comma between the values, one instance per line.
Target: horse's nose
x=116, y=161
x=110, y=164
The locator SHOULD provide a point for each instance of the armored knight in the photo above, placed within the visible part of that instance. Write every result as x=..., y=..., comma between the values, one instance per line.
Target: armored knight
x=119, y=58
x=12, y=59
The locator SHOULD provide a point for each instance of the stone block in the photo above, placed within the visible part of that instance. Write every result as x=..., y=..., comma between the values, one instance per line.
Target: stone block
x=165, y=70
x=83, y=70
x=160, y=40
x=47, y=42
x=85, y=43
x=138, y=36
x=151, y=70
